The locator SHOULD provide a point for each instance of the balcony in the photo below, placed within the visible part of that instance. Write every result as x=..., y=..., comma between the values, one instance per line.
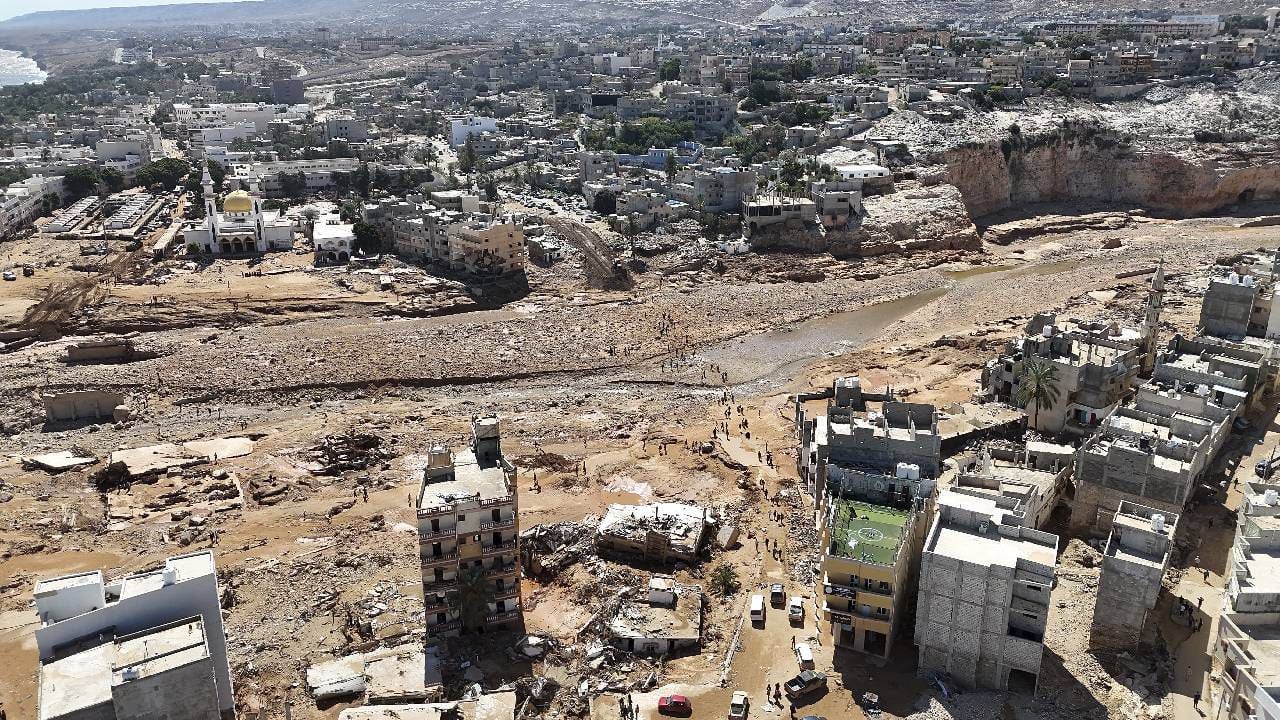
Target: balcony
x=497, y=549
x=503, y=570
x=432, y=535
x=430, y=585
x=512, y=591
x=848, y=592
x=501, y=617
x=497, y=524
x=435, y=511
x=444, y=627
x=442, y=559
x=432, y=606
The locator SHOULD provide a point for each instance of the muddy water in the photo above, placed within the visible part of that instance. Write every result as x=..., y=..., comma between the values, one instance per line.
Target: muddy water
x=780, y=354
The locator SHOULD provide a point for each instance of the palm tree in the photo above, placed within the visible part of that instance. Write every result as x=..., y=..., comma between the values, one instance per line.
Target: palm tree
x=473, y=597
x=1038, y=385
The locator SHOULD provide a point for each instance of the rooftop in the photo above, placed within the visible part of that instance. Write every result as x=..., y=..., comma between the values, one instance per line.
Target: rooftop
x=470, y=482
x=639, y=619
x=983, y=542
x=865, y=532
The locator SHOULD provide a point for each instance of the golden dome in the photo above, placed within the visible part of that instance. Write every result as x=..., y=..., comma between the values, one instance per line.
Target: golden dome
x=237, y=202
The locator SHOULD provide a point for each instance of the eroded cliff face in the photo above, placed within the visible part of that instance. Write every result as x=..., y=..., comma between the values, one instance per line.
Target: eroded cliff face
x=1098, y=165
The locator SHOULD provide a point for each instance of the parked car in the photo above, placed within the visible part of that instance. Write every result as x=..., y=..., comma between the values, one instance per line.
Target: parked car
x=804, y=656
x=28, y=271
x=777, y=596
x=739, y=706
x=804, y=683
x=757, y=608
x=795, y=610
x=870, y=704
x=675, y=705
x=8, y=275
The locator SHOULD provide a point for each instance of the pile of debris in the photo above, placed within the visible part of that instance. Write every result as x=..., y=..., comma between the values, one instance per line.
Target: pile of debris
x=547, y=550
x=351, y=450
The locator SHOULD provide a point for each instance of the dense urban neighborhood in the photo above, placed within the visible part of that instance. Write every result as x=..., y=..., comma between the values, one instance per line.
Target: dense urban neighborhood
x=559, y=360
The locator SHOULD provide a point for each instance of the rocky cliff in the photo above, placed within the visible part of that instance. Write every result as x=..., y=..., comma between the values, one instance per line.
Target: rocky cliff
x=1089, y=163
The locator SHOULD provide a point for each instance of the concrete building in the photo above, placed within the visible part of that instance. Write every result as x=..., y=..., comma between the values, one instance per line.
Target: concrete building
x=667, y=620
x=332, y=239
x=869, y=552
x=1254, y=582
x=161, y=672
x=81, y=613
x=984, y=595
x=242, y=227
x=661, y=533
x=1027, y=494
x=1248, y=652
x=468, y=536
x=488, y=249
x=224, y=114
x=462, y=128
x=767, y=211
x=1133, y=564
x=23, y=202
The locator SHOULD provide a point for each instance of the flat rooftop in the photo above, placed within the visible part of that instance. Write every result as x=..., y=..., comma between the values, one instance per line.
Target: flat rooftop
x=639, y=619
x=158, y=651
x=962, y=541
x=66, y=582
x=867, y=533
x=76, y=683
x=1131, y=552
x=470, y=481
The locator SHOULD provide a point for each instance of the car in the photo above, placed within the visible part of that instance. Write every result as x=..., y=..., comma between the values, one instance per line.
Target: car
x=795, y=610
x=777, y=596
x=1264, y=469
x=804, y=683
x=674, y=705
x=739, y=706
x=870, y=704
x=8, y=275
x=28, y=271
x=804, y=656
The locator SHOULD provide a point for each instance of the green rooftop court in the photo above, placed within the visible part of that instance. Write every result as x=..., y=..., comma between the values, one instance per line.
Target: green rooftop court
x=867, y=533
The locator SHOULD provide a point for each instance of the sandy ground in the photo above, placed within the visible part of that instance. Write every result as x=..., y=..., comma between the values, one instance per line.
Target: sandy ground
x=577, y=376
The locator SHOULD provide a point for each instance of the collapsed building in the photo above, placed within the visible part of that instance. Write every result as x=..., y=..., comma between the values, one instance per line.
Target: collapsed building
x=668, y=619
x=136, y=647
x=983, y=606
x=1027, y=493
x=872, y=464
x=468, y=536
x=1134, y=560
x=658, y=533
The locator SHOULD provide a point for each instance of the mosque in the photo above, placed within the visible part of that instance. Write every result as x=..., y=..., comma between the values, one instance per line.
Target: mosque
x=242, y=227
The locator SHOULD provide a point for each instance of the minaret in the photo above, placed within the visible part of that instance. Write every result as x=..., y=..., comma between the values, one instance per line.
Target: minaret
x=210, y=205
x=1151, y=321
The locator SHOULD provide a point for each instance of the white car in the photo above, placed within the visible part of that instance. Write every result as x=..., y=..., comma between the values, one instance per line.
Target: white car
x=804, y=656
x=739, y=706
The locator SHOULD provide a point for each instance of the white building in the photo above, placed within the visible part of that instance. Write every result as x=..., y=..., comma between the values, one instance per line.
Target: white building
x=102, y=621
x=225, y=114
x=22, y=202
x=461, y=128
x=333, y=239
x=242, y=226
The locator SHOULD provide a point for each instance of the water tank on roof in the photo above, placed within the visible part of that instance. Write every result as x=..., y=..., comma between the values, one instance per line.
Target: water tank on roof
x=901, y=472
x=1047, y=331
x=1270, y=497
x=913, y=472
x=1157, y=523
x=170, y=575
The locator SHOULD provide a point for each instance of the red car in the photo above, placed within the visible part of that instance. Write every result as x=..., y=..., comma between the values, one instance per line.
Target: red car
x=674, y=705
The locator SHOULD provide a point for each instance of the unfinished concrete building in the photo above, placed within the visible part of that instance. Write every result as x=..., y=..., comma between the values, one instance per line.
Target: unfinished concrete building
x=1096, y=363
x=1027, y=494
x=1248, y=651
x=1133, y=564
x=864, y=443
x=1238, y=303
x=984, y=595
x=659, y=533
x=666, y=620
x=123, y=649
x=468, y=537
x=1154, y=452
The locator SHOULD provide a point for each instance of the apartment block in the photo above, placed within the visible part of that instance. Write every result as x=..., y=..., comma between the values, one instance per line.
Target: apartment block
x=1133, y=564
x=468, y=536
x=984, y=595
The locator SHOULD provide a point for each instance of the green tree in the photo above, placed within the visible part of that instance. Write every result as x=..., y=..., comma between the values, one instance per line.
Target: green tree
x=671, y=167
x=217, y=173
x=605, y=202
x=474, y=597
x=165, y=171
x=467, y=158
x=724, y=579
x=112, y=178
x=13, y=174
x=81, y=181
x=670, y=69
x=368, y=239
x=1038, y=386
x=293, y=185
x=490, y=188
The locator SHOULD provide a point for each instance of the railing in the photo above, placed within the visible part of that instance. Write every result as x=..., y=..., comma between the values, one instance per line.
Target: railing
x=430, y=560
x=425, y=537
x=507, y=592
x=490, y=502
x=497, y=549
x=498, y=524
x=435, y=510
x=435, y=606
x=443, y=586
x=505, y=616
x=843, y=591
x=501, y=570
x=444, y=627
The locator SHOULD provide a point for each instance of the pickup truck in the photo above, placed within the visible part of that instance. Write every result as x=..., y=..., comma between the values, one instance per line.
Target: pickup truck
x=804, y=683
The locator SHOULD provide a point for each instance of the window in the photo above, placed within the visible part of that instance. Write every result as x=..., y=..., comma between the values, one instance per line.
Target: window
x=461, y=517
x=882, y=611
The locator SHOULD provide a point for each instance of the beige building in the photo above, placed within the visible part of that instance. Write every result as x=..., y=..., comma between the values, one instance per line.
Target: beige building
x=488, y=249
x=468, y=535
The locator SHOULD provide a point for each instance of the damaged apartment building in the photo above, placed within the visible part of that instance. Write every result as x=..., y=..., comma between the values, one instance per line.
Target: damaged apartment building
x=983, y=605
x=1134, y=560
x=144, y=646
x=658, y=533
x=872, y=464
x=453, y=231
x=468, y=536
x=1027, y=485
x=1096, y=364
x=668, y=619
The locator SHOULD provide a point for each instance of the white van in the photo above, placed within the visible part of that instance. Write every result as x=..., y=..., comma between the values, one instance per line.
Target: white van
x=757, y=608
